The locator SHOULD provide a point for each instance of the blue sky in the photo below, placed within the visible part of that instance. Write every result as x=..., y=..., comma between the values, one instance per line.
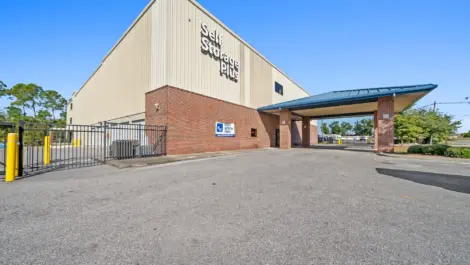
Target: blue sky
x=322, y=45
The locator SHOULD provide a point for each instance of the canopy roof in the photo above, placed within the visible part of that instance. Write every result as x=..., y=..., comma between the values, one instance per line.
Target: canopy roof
x=355, y=102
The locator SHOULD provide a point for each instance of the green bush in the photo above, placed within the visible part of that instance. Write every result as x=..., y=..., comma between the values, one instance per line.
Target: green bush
x=437, y=149
x=461, y=152
x=440, y=150
x=415, y=149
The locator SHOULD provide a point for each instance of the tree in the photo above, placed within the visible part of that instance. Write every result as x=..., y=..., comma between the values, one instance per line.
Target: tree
x=425, y=126
x=52, y=101
x=438, y=126
x=335, y=127
x=3, y=89
x=345, y=127
x=467, y=134
x=408, y=126
x=44, y=115
x=30, y=102
x=26, y=96
x=324, y=128
x=14, y=113
x=3, y=115
x=363, y=127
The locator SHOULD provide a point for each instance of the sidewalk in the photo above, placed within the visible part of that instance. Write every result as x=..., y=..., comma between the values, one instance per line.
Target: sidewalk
x=156, y=160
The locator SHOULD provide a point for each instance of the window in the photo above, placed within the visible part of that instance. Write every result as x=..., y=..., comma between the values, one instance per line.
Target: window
x=278, y=88
x=254, y=132
x=70, y=121
x=71, y=106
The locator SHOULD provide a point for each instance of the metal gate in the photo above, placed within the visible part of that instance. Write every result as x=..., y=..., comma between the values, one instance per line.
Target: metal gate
x=49, y=147
x=5, y=129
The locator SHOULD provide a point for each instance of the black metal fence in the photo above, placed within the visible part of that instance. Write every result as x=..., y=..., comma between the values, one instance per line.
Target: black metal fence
x=51, y=147
x=5, y=129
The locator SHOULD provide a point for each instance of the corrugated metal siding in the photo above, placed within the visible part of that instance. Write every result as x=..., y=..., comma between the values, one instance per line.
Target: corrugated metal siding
x=117, y=88
x=159, y=44
x=188, y=67
x=242, y=75
x=246, y=75
x=261, y=85
x=291, y=90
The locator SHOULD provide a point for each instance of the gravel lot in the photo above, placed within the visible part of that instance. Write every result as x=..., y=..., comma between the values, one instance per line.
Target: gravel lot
x=300, y=206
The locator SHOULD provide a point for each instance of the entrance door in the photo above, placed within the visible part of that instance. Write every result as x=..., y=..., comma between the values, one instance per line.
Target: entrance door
x=5, y=129
x=277, y=138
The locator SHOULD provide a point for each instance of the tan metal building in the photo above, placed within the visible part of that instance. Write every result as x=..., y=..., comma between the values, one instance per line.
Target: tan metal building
x=163, y=47
x=179, y=44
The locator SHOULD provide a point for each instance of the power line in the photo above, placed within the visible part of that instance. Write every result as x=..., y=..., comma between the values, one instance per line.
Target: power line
x=443, y=103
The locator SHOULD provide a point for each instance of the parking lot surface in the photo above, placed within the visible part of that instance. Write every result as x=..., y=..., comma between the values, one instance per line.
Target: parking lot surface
x=301, y=206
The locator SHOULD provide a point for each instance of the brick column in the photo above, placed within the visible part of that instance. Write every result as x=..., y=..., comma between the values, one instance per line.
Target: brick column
x=305, y=131
x=313, y=134
x=376, y=131
x=285, y=129
x=385, y=122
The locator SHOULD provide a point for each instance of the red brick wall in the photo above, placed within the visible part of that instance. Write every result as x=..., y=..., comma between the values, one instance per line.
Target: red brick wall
x=385, y=125
x=285, y=128
x=296, y=133
x=191, y=119
x=313, y=134
x=152, y=115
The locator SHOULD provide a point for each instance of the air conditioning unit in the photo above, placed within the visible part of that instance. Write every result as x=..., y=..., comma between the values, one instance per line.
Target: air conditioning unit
x=144, y=150
x=122, y=149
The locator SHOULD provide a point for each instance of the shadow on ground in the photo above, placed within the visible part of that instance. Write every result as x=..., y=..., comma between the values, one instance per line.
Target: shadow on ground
x=456, y=183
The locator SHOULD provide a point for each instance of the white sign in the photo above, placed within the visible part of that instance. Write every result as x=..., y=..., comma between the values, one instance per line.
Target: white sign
x=386, y=116
x=212, y=44
x=224, y=129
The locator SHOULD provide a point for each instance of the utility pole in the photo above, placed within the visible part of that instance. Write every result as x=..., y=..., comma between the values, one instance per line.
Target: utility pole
x=434, y=110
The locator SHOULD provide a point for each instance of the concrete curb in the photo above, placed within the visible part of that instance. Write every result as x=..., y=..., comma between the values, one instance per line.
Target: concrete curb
x=426, y=157
x=151, y=161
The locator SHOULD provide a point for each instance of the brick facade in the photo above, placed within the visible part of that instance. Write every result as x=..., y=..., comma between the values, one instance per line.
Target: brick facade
x=190, y=119
x=385, y=125
x=313, y=134
x=285, y=127
x=296, y=133
x=306, y=129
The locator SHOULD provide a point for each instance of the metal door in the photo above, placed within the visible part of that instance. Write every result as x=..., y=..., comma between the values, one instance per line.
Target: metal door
x=277, y=135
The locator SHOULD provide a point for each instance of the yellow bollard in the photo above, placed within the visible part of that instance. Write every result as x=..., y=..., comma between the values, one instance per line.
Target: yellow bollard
x=49, y=145
x=11, y=155
x=17, y=156
x=340, y=141
x=46, y=151
x=76, y=142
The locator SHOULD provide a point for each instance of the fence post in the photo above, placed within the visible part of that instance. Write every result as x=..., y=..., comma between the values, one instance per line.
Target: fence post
x=17, y=152
x=20, y=147
x=104, y=142
x=11, y=155
x=46, y=150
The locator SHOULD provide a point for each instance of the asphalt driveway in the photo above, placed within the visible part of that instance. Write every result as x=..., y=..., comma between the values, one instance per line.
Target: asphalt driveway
x=302, y=206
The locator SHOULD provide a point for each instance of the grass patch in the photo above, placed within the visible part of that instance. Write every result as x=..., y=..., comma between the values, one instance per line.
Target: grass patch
x=401, y=149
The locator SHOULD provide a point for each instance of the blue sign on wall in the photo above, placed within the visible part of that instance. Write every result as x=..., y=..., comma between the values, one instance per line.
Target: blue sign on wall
x=224, y=129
